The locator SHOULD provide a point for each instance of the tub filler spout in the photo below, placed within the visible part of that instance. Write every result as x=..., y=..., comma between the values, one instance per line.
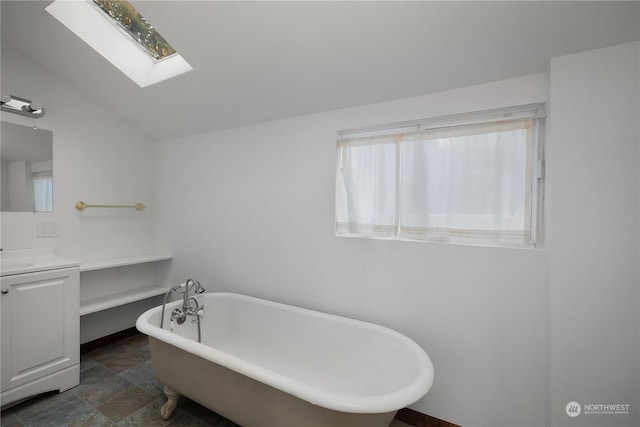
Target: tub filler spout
x=179, y=315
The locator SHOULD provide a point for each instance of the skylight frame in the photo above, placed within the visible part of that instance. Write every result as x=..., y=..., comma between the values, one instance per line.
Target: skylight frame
x=93, y=26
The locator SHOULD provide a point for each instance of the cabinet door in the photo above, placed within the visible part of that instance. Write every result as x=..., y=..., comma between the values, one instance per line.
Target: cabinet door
x=40, y=325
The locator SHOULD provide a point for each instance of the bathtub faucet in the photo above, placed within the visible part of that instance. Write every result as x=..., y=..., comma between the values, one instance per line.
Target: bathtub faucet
x=189, y=284
x=190, y=306
x=180, y=314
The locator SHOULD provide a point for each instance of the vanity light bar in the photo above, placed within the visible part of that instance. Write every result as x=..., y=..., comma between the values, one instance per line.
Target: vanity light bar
x=22, y=106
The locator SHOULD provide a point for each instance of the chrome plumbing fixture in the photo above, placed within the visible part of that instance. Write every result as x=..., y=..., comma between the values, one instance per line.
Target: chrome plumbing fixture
x=22, y=106
x=179, y=315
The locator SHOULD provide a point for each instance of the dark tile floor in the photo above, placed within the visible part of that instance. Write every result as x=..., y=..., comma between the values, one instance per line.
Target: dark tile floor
x=117, y=388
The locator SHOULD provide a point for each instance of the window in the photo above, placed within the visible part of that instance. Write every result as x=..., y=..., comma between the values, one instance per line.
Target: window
x=474, y=179
x=43, y=191
x=134, y=24
x=116, y=30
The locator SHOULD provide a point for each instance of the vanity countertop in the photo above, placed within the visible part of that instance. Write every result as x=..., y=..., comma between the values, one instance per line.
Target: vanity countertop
x=19, y=261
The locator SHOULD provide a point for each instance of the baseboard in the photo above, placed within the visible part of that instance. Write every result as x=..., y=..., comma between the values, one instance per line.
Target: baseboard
x=109, y=339
x=418, y=419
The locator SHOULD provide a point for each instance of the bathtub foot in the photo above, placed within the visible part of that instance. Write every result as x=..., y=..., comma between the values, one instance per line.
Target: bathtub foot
x=172, y=400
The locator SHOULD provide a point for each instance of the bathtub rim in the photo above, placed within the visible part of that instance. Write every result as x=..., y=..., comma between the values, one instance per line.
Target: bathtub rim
x=382, y=403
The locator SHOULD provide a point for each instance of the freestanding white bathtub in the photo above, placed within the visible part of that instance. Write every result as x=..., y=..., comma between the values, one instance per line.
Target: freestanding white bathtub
x=266, y=364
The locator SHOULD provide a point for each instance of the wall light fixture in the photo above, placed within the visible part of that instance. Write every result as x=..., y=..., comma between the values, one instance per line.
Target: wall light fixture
x=24, y=107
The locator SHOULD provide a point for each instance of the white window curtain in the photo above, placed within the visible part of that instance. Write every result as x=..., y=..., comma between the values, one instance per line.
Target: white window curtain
x=43, y=191
x=460, y=184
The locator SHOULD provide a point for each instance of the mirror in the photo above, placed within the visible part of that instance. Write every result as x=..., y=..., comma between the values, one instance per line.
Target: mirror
x=26, y=172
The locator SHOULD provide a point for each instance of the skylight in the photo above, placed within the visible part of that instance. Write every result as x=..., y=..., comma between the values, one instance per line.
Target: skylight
x=130, y=20
x=117, y=31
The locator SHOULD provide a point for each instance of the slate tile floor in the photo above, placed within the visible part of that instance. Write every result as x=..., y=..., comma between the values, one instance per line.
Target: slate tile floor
x=117, y=388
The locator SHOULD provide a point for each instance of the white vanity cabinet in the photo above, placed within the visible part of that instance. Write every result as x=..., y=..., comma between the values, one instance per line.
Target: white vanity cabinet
x=40, y=332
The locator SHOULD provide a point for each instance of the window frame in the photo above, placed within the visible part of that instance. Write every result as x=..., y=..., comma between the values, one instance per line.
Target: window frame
x=535, y=112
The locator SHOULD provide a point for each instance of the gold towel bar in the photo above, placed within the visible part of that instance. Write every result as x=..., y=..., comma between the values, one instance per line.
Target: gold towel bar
x=82, y=206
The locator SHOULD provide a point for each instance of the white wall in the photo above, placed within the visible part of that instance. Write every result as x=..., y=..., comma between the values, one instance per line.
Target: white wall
x=97, y=159
x=593, y=248
x=251, y=210
x=514, y=334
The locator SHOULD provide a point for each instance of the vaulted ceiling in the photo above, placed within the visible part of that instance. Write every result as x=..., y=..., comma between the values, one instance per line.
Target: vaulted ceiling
x=261, y=61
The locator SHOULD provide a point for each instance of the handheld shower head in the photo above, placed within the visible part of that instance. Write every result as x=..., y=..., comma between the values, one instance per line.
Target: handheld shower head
x=199, y=289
